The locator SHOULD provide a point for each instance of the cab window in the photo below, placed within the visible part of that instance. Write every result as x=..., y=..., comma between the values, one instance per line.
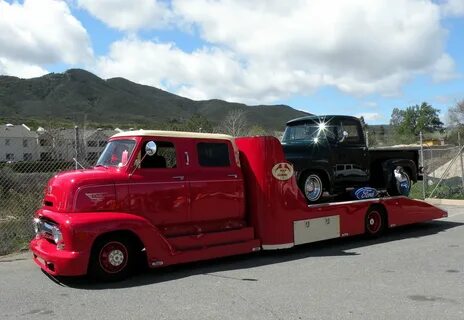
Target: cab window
x=353, y=129
x=213, y=154
x=165, y=156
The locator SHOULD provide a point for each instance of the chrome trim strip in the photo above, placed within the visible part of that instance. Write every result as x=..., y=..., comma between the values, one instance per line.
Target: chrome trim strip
x=277, y=246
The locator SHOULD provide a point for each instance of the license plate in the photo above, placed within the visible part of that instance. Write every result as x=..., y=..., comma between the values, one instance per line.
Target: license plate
x=42, y=261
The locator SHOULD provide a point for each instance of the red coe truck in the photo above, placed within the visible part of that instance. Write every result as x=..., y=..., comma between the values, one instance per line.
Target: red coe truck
x=172, y=197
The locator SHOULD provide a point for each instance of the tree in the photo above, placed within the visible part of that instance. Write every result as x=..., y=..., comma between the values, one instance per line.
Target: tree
x=456, y=114
x=234, y=124
x=198, y=123
x=396, y=117
x=257, y=130
x=409, y=122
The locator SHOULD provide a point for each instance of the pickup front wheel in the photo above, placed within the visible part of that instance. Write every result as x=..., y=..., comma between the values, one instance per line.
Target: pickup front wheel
x=312, y=187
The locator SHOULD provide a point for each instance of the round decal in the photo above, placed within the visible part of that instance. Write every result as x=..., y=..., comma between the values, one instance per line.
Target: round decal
x=282, y=171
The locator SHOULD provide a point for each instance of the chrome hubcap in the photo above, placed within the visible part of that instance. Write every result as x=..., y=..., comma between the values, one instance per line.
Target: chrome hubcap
x=313, y=187
x=116, y=257
x=403, y=182
x=113, y=257
x=371, y=222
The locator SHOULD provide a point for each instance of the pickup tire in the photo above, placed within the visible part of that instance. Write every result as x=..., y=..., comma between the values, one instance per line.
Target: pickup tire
x=312, y=186
x=112, y=259
x=400, y=184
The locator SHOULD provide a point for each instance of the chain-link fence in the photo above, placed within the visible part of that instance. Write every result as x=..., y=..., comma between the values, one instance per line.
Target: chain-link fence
x=442, y=162
x=29, y=158
x=443, y=172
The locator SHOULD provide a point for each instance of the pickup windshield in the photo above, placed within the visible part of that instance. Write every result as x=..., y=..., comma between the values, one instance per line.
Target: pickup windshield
x=116, y=153
x=311, y=132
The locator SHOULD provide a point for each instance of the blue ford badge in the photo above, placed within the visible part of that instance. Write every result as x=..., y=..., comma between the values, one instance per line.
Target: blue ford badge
x=365, y=193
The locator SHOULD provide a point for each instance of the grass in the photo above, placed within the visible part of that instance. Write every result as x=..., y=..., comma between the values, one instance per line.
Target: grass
x=444, y=191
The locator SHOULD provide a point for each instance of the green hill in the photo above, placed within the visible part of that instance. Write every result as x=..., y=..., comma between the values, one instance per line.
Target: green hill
x=76, y=94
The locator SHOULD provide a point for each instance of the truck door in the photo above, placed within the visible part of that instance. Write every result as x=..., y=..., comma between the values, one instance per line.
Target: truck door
x=216, y=182
x=350, y=155
x=159, y=188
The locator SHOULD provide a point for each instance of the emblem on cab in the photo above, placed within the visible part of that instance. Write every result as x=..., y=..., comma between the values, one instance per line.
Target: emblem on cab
x=96, y=197
x=282, y=171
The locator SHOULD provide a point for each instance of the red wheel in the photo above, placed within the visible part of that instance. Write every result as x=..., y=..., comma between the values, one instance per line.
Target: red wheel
x=113, y=257
x=375, y=222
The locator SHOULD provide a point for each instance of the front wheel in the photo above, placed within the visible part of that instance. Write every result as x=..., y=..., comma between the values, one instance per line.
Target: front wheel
x=112, y=259
x=400, y=184
x=312, y=187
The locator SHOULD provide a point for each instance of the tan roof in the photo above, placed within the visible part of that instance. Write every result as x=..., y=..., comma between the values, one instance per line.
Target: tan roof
x=174, y=134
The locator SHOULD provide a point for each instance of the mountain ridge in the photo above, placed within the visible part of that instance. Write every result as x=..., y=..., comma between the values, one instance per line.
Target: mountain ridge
x=77, y=94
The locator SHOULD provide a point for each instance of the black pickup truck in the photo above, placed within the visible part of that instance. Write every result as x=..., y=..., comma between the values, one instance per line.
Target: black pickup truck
x=329, y=154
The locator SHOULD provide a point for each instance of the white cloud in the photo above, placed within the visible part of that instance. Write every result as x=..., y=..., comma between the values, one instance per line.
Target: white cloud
x=444, y=69
x=39, y=32
x=128, y=15
x=202, y=74
x=370, y=116
x=453, y=8
x=19, y=69
x=267, y=50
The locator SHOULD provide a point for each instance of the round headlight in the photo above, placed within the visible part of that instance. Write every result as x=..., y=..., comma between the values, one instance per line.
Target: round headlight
x=36, y=225
x=56, y=233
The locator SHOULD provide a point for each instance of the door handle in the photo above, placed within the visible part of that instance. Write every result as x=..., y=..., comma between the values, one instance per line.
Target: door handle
x=180, y=178
x=232, y=176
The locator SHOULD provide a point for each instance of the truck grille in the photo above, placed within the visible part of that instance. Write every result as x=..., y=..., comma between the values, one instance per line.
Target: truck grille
x=44, y=228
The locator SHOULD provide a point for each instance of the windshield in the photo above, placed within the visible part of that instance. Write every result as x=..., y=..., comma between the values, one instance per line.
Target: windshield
x=116, y=153
x=311, y=132
x=302, y=132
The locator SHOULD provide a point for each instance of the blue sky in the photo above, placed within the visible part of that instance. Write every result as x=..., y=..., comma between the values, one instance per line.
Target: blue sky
x=324, y=57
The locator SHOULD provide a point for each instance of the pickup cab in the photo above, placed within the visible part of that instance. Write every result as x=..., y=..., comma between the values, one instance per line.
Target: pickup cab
x=160, y=198
x=330, y=155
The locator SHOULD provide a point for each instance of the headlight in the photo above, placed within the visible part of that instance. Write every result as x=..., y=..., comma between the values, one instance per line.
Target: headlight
x=36, y=225
x=56, y=233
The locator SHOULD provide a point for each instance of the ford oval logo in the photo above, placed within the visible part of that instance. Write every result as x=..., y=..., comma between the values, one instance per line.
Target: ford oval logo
x=365, y=193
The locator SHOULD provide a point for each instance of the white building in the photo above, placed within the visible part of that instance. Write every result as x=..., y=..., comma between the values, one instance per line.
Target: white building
x=18, y=143
x=95, y=142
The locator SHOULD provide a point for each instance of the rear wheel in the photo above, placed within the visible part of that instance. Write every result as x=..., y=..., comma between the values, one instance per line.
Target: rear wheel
x=400, y=185
x=375, y=221
x=312, y=187
x=112, y=259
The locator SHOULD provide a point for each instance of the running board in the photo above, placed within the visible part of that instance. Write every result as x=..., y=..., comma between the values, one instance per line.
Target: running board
x=205, y=240
x=209, y=253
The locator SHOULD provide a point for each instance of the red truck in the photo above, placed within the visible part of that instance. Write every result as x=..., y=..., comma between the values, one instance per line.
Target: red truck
x=164, y=198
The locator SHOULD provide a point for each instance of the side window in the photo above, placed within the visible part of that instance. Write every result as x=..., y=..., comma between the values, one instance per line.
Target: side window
x=213, y=154
x=353, y=132
x=165, y=156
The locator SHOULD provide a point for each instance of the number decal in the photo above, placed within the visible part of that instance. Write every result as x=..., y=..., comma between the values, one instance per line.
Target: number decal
x=307, y=224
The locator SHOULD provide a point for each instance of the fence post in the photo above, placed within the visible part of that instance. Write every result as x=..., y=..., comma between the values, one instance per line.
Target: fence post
x=462, y=162
x=76, y=145
x=367, y=138
x=424, y=181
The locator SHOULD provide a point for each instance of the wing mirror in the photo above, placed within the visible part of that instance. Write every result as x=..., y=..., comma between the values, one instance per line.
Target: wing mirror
x=150, y=148
x=343, y=137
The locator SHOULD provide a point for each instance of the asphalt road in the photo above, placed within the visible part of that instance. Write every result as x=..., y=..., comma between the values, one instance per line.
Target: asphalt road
x=414, y=272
